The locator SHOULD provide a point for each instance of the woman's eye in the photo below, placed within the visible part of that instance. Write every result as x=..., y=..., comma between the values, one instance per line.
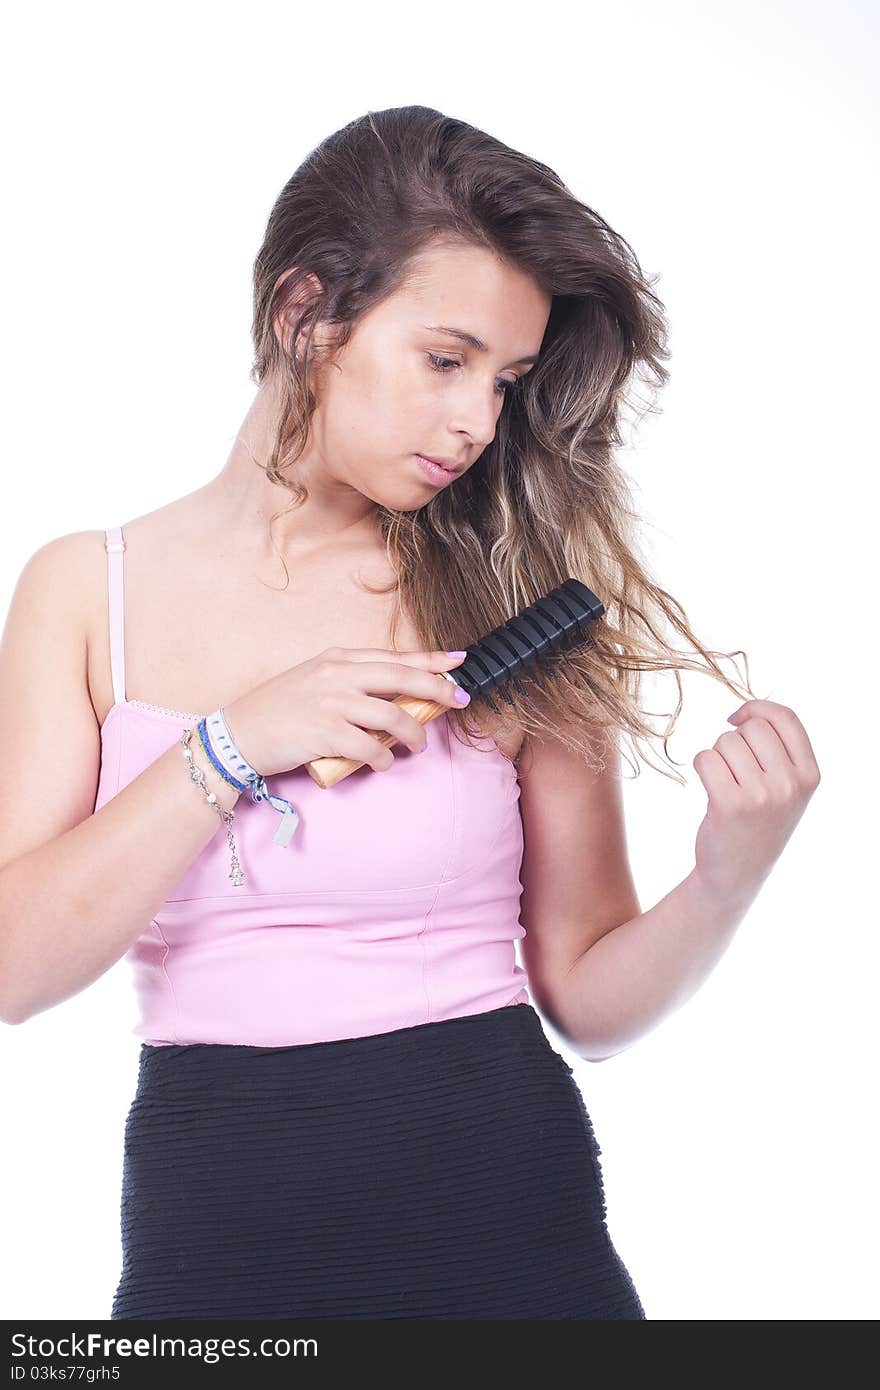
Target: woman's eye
x=442, y=364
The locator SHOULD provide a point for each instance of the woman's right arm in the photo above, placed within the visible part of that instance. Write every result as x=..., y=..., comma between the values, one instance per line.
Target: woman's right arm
x=77, y=887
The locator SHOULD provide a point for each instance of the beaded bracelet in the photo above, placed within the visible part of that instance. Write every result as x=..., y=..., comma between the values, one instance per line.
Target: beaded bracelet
x=198, y=777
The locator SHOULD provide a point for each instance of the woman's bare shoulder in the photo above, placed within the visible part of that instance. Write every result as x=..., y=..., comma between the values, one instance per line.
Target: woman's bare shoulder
x=74, y=560
x=65, y=568
x=78, y=565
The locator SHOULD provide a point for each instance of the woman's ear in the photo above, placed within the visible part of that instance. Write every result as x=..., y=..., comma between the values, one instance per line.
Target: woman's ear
x=283, y=320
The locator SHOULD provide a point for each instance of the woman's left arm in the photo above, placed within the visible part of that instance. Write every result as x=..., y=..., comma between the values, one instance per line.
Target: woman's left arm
x=759, y=779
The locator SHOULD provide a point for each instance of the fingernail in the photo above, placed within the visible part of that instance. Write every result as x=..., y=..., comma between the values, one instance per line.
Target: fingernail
x=731, y=717
x=462, y=696
x=456, y=653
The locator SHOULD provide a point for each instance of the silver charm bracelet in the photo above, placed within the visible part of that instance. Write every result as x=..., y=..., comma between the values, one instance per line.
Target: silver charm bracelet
x=235, y=871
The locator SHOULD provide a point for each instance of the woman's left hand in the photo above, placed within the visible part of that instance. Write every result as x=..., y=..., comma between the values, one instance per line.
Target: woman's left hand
x=759, y=778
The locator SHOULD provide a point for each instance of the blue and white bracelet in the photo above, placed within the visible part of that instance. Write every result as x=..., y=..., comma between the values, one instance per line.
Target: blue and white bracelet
x=229, y=761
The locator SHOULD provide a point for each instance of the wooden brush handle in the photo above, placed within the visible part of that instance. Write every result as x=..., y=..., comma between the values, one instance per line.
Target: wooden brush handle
x=328, y=771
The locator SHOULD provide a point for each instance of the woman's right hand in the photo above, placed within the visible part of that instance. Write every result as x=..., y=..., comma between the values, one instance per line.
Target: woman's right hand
x=323, y=707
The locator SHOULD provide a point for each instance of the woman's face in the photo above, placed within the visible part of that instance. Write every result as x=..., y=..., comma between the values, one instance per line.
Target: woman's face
x=387, y=397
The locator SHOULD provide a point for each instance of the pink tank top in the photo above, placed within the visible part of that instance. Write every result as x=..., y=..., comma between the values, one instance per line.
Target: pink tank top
x=396, y=902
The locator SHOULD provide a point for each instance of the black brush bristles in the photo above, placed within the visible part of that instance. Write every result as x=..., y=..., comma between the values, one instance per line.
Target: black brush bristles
x=529, y=644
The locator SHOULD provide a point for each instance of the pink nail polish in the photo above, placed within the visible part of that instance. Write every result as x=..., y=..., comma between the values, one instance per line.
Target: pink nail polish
x=462, y=696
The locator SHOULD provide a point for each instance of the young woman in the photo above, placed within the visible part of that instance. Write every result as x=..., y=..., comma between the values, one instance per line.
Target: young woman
x=346, y=1104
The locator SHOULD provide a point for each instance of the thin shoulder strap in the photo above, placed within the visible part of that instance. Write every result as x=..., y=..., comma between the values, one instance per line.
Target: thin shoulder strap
x=115, y=545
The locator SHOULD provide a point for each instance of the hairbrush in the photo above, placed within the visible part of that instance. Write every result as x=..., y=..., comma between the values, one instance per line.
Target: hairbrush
x=523, y=648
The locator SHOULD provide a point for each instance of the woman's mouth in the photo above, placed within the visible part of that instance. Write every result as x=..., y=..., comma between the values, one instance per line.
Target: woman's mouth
x=434, y=472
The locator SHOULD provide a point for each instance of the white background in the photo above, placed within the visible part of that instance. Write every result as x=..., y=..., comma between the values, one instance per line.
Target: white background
x=732, y=146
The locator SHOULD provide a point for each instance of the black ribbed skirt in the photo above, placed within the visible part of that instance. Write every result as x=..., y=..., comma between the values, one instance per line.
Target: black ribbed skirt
x=446, y=1170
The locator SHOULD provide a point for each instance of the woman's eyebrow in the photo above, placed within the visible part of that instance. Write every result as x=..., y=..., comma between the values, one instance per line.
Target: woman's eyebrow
x=473, y=341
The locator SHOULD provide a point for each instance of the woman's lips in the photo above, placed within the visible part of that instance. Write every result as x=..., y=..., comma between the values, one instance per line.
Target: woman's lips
x=434, y=473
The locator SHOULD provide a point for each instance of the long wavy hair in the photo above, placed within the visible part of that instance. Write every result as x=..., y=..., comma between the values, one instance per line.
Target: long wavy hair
x=547, y=498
